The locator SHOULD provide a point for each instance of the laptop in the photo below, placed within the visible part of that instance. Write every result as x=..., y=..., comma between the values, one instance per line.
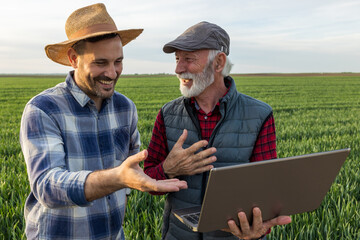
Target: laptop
x=283, y=186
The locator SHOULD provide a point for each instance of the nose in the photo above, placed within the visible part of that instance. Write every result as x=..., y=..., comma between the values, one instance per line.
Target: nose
x=112, y=71
x=180, y=67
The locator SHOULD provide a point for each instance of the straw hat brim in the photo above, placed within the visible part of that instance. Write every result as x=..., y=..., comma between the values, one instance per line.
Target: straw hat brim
x=58, y=52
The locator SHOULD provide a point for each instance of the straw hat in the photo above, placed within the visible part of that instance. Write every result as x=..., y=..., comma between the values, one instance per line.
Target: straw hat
x=84, y=23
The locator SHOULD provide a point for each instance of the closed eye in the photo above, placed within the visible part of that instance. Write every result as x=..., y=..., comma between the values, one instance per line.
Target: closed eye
x=101, y=62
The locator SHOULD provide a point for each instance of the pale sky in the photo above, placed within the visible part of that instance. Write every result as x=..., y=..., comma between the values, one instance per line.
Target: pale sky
x=266, y=36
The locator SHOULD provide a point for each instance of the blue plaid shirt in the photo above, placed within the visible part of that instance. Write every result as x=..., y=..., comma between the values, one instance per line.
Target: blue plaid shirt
x=63, y=139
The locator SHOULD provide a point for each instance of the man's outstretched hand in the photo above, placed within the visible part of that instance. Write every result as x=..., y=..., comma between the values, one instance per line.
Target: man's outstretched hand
x=131, y=175
x=128, y=175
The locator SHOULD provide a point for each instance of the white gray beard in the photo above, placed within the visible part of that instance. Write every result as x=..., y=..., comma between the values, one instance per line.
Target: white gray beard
x=200, y=81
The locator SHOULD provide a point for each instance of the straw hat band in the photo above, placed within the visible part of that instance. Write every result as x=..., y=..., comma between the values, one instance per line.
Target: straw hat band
x=102, y=27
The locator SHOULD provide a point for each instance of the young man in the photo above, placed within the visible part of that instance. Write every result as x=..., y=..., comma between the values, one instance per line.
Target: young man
x=232, y=128
x=80, y=138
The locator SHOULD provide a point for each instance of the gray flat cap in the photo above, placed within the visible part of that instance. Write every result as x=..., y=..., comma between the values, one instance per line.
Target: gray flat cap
x=203, y=35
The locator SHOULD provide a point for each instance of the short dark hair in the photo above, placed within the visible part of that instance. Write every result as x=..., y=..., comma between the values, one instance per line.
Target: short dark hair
x=79, y=46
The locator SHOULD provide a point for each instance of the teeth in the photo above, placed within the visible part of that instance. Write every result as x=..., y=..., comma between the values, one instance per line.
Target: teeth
x=105, y=82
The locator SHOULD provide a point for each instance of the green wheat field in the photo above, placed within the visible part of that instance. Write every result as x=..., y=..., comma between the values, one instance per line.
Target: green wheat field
x=313, y=113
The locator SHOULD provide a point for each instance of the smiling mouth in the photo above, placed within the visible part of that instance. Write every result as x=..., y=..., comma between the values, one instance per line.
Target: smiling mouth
x=105, y=82
x=186, y=80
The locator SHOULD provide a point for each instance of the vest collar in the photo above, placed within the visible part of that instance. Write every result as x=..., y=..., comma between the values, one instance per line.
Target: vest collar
x=227, y=98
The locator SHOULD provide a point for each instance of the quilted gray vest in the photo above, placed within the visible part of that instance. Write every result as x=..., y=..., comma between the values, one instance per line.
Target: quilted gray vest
x=234, y=138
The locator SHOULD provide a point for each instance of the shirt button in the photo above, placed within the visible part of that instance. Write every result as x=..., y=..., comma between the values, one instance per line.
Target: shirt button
x=205, y=117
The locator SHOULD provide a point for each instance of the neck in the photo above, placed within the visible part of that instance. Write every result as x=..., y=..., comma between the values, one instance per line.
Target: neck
x=97, y=100
x=208, y=99
x=98, y=103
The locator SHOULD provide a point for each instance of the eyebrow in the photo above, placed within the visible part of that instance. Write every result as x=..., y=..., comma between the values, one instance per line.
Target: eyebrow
x=186, y=54
x=107, y=60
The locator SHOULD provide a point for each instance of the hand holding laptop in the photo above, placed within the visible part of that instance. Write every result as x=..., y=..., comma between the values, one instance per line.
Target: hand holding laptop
x=279, y=187
x=182, y=161
x=258, y=227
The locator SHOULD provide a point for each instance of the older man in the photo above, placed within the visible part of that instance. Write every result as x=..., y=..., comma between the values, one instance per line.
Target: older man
x=231, y=128
x=78, y=137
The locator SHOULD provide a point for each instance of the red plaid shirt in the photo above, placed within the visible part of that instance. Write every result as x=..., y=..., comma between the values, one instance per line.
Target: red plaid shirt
x=264, y=149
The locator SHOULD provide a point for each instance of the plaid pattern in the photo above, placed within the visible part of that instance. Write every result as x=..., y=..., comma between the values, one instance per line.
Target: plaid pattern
x=264, y=149
x=265, y=146
x=63, y=139
x=207, y=121
x=157, y=150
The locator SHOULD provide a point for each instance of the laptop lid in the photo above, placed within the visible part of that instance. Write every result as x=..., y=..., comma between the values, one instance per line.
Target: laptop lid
x=284, y=186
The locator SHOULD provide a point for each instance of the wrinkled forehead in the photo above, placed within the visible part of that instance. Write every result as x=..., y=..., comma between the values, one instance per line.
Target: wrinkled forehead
x=197, y=53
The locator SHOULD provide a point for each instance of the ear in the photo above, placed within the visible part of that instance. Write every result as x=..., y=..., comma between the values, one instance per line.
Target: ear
x=220, y=61
x=73, y=57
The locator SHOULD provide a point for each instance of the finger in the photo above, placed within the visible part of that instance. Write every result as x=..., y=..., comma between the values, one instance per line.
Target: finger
x=257, y=220
x=205, y=162
x=196, y=146
x=203, y=169
x=137, y=158
x=181, y=140
x=244, y=223
x=205, y=153
x=169, y=186
x=281, y=220
x=233, y=228
x=180, y=183
x=171, y=180
x=204, y=166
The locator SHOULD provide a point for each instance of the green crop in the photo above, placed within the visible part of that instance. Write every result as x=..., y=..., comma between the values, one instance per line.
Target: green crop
x=312, y=114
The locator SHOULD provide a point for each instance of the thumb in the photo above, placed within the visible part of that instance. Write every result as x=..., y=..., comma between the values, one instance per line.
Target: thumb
x=181, y=139
x=281, y=220
x=137, y=158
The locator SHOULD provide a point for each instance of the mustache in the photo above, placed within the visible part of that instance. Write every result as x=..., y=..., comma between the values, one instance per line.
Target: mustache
x=104, y=78
x=186, y=75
